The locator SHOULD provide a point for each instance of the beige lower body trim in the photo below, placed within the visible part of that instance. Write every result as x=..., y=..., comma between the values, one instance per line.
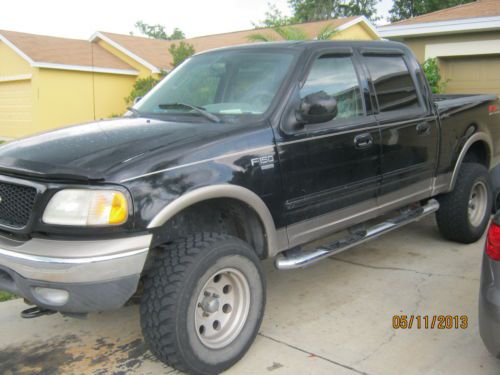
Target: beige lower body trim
x=325, y=225
x=442, y=184
x=281, y=242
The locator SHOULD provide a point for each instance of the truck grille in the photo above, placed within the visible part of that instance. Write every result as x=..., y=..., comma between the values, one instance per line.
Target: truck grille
x=16, y=203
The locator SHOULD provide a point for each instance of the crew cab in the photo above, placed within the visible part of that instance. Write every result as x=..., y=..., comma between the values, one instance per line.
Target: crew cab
x=238, y=155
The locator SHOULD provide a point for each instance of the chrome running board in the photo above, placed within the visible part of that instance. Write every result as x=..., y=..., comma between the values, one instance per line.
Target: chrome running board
x=296, y=258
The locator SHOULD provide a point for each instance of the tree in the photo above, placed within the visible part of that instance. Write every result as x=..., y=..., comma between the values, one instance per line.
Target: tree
x=274, y=18
x=403, y=9
x=315, y=10
x=158, y=31
x=180, y=52
x=365, y=8
x=292, y=33
x=177, y=34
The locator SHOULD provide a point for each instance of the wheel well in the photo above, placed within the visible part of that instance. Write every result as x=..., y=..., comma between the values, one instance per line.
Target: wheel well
x=221, y=215
x=478, y=152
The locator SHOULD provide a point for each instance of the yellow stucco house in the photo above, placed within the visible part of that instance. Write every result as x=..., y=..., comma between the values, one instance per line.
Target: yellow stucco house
x=48, y=82
x=465, y=39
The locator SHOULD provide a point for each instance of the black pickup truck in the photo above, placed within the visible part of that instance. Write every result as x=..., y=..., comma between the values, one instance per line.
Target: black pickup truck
x=238, y=155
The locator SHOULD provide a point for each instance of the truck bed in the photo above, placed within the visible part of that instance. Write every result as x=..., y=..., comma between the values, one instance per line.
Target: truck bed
x=455, y=100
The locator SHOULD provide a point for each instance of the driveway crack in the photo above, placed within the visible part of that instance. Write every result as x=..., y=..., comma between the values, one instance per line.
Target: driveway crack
x=392, y=334
x=401, y=269
x=377, y=349
x=314, y=355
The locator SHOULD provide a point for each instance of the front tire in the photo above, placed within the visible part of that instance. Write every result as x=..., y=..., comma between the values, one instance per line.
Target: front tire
x=203, y=303
x=464, y=213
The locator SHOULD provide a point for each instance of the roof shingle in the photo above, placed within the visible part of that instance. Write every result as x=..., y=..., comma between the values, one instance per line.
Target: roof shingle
x=156, y=51
x=480, y=8
x=74, y=52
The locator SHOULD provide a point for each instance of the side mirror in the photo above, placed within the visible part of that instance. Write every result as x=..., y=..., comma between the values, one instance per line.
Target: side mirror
x=316, y=108
x=137, y=100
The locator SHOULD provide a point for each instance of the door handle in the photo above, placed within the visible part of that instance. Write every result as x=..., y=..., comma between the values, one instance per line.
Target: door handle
x=363, y=140
x=424, y=128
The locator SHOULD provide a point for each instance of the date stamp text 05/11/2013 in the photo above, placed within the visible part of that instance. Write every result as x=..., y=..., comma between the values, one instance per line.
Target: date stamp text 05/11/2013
x=441, y=322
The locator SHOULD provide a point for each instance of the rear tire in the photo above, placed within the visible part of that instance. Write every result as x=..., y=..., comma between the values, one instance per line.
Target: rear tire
x=203, y=303
x=464, y=213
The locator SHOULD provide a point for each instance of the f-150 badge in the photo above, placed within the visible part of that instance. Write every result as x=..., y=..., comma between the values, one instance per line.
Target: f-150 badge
x=265, y=162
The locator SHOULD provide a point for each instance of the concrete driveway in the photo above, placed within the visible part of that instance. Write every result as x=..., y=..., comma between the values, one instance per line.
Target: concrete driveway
x=332, y=318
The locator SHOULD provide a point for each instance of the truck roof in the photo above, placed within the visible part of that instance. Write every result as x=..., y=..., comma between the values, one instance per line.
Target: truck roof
x=313, y=44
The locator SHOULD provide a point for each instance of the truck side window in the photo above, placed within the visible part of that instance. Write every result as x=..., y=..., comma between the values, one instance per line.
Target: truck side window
x=336, y=76
x=393, y=83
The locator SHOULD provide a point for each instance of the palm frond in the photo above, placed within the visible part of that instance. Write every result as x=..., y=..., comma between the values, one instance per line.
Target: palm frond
x=326, y=33
x=291, y=33
x=261, y=38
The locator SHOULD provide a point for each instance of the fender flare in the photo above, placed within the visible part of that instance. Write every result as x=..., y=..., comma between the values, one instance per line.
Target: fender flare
x=477, y=137
x=274, y=240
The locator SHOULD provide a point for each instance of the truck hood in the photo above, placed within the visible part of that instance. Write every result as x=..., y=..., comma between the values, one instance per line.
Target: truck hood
x=90, y=151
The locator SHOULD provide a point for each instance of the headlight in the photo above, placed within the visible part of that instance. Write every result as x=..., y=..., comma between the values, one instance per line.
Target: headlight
x=86, y=208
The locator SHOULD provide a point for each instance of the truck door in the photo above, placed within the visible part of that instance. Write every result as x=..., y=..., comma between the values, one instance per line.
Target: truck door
x=330, y=170
x=409, y=128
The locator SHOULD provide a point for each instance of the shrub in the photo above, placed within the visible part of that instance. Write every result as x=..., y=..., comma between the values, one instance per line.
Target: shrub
x=141, y=87
x=431, y=71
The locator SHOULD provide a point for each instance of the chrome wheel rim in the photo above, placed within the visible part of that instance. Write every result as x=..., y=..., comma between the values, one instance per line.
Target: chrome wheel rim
x=478, y=201
x=222, y=308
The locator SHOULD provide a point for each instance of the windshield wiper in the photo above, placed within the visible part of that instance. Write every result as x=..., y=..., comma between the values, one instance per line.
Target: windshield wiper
x=199, y=110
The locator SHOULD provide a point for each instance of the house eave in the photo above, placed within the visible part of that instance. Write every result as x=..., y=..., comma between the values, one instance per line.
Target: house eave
x=80, y=68
x=360, y=20
x=122, y=49
x=13, y=47
x=19, y=77
x=83, y=68
x=442, y=27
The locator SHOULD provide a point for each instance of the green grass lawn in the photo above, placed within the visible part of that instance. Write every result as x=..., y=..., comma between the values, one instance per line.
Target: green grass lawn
x=4, y=296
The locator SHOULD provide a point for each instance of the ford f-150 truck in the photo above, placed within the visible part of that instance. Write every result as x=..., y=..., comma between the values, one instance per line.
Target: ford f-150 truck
x=238, y=155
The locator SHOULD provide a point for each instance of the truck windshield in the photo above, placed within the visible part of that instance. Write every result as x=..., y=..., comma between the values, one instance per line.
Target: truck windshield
x=221, y=83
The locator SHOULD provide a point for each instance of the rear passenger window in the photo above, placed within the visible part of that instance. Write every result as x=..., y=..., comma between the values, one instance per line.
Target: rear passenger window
x=393, y=83
x=336, y=76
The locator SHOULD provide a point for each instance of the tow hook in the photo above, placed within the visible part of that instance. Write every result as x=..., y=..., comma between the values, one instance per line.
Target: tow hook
x=35, y=312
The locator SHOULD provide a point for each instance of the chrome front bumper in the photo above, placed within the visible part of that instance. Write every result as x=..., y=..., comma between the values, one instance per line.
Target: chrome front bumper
x=95, y=275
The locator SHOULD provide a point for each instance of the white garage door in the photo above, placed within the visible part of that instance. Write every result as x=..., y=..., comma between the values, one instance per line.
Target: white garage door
x=472, y=74
x=15, y=108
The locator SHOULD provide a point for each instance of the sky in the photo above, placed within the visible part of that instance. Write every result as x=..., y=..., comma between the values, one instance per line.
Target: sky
x=81, y=18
